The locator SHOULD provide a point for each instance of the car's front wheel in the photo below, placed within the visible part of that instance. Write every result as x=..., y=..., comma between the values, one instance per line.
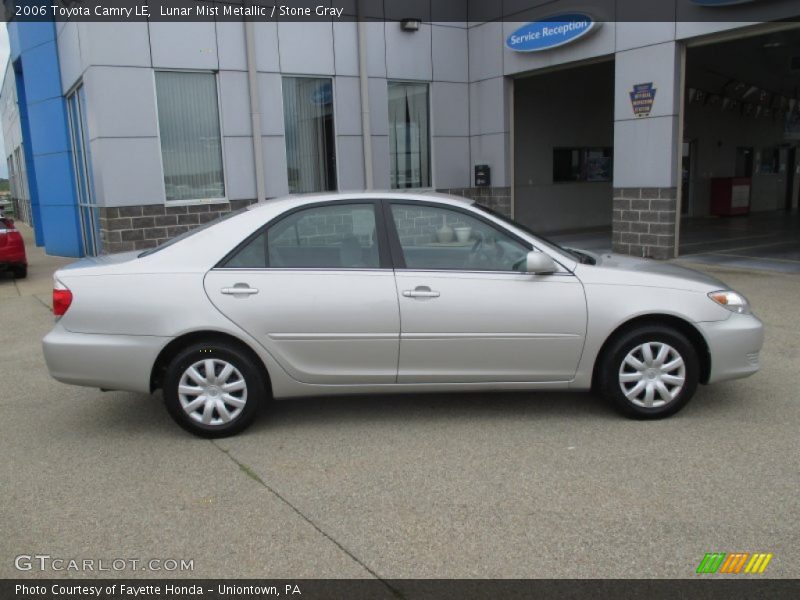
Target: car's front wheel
x=213, y=390
x=649, y=372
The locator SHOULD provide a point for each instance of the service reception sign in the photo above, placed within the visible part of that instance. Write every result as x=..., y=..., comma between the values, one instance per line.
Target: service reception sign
x=553, y=32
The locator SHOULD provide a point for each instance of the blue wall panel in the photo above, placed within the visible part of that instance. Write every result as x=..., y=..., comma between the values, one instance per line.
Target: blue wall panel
x=13, y=41
x=45, y=135
x=28, y=153
x=61, y=230
x=52, y=190
x=32, y=33
x=47, y=81
x=49, y=133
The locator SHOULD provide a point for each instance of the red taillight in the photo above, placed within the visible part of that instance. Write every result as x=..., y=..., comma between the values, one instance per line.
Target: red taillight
x=62, y=298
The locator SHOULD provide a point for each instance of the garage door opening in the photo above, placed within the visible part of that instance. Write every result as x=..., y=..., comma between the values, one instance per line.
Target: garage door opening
x=739, y=155
x=563, y=148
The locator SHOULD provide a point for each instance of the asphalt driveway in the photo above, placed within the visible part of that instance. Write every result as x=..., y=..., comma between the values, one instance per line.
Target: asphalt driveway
x=512, y=485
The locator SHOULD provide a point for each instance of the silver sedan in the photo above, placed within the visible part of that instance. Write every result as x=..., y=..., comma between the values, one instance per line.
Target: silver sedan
x=386, y=293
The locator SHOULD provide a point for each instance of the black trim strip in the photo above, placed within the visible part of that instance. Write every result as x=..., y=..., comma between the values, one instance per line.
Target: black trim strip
x=398, y=260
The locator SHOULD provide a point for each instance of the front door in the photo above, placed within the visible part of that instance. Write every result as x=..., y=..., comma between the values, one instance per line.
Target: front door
x=468, y=313
x=316, y=290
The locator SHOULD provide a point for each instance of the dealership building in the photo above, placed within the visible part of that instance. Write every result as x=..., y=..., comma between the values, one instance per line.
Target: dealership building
x=120, y=135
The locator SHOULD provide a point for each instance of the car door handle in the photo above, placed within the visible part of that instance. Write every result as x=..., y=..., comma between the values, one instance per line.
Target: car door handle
x=239, y=289
x=421, y=291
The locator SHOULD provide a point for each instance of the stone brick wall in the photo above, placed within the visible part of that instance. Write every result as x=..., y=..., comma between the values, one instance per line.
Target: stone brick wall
x=496, y=198
x=644, y=222
x=140, y=227
x=328, y=226
x=417, y=226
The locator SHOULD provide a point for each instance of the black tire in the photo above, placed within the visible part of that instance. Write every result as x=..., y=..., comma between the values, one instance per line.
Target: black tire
x=220, y=353
x=20, y=272
x=611, y=364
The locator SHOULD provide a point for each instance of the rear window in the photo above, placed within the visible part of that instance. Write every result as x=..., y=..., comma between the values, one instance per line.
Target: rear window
x=191, y=232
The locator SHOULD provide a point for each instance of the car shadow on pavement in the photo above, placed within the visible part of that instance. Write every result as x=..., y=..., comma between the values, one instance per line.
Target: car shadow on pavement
x=406, y=409
x=133, y=414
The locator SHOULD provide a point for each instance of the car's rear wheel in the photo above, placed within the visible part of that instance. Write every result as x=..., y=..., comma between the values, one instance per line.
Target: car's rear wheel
x=213, y=390
x=649, y=372
x=20, y=272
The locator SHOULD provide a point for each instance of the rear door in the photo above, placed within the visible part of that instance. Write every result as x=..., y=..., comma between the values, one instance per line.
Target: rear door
x=315, y=287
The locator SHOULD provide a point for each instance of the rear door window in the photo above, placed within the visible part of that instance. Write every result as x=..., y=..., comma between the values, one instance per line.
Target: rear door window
x=333, y=236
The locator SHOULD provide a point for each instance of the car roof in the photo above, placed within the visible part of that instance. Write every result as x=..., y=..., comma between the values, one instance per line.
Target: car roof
x=285, y=202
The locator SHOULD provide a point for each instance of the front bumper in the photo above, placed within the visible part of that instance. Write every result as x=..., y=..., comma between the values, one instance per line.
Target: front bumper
x=116, y=362
x=734, y=345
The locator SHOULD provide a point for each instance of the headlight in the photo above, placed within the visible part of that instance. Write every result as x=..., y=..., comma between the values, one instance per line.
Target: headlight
x=732, y=301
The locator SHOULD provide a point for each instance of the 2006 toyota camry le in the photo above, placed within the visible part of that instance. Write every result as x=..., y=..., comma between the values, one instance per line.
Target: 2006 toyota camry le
x=390, y=292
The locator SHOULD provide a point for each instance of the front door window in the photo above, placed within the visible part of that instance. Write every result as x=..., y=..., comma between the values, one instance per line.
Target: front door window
x=435, y=238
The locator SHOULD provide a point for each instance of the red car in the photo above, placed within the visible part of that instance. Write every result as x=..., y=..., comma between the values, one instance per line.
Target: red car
x=12, y=249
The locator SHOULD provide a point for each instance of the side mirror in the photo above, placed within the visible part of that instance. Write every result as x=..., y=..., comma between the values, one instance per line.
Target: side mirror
x=540, y=263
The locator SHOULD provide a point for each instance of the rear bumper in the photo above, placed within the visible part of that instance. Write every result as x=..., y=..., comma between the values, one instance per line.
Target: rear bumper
x=8, y=261
x=734, y=345
x=117, y=362
x=12, y=250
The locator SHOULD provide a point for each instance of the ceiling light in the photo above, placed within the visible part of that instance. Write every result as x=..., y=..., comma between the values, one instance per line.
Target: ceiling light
x=750, y=91
x=410, y=24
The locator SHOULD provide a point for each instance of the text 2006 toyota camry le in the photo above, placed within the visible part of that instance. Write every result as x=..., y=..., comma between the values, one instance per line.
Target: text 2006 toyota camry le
x=371, y=293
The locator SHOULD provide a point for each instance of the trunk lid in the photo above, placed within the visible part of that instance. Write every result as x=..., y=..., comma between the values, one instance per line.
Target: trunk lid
x=102, y=261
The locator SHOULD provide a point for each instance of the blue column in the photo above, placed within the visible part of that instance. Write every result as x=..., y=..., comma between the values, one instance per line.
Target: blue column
x=45, y=134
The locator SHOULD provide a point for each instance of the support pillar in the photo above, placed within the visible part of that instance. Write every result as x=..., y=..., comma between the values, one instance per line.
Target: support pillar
x=647, y=143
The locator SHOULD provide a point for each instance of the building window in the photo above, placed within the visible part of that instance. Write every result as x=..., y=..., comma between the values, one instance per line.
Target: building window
x=409, y=135
x=191, y=148
x=770, y=160
x=81, y=161
x=310, y=141
x=23, y=206
x=582, y=164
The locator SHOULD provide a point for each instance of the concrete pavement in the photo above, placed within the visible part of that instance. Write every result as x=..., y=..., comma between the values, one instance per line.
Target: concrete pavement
x=511, y=485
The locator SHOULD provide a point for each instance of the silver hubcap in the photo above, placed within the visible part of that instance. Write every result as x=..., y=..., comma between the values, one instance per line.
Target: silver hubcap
x=212, y=392
x=652, y=375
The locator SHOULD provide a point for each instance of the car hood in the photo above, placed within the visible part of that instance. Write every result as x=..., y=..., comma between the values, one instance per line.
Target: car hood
x=620, y=269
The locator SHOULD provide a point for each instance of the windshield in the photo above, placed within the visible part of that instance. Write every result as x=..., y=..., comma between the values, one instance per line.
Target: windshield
x=191, y=232
x=553, y=246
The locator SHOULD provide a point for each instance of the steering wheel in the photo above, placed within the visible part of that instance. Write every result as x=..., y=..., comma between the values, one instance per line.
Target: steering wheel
x=516, y=266
x=478, y=245
x=479, y=253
